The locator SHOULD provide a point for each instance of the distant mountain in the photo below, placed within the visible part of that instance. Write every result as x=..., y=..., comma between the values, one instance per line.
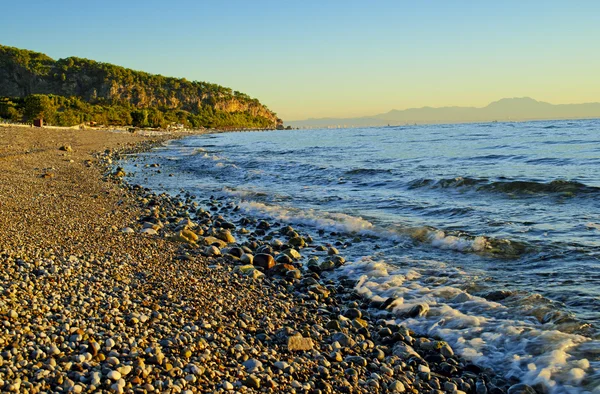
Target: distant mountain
x=506, y=109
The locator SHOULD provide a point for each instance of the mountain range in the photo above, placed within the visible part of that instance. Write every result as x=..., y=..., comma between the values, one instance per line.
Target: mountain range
x=507, y=109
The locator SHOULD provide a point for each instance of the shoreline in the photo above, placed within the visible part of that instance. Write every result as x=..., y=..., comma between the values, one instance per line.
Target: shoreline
x=160, y=307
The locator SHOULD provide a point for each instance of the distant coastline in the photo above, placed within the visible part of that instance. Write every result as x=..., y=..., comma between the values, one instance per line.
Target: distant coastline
x=504, y=110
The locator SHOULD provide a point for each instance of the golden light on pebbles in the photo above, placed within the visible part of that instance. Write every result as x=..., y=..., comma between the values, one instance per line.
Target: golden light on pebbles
x=152, y=322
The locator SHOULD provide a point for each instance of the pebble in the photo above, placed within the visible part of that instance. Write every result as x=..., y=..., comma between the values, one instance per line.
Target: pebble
x=114, y=375
x=252, y=365
x=227, y=386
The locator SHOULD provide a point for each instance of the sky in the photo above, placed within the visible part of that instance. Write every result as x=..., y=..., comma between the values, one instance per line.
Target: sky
x=329, y=58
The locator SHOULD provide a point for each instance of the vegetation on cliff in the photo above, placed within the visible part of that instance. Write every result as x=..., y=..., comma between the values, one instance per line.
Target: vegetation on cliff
x=73, y=90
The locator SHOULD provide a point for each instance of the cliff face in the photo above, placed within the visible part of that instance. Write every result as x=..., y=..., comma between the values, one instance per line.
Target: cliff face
x=23, y=73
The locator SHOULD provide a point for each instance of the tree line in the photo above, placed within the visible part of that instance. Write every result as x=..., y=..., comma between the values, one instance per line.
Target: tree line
x=70, y=111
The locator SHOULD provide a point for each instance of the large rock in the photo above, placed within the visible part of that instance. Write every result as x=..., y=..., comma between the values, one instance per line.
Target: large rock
x=297, y=242
x=225, y=236
x=215, y=241
x=263, y=260
x=292, y=253
x=404, y=351
x=299, y=343
x=418, y=310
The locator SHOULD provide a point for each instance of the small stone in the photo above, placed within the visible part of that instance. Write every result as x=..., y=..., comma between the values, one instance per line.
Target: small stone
x=352, y=313
x=356, y=360
x=196, y=370
x=343, y=339
x=446, y=350
x=281, y=365
x=246, y=258
x=252, y=381
x=212, y=250
x=125, y=370
x=332, y=251
x=396, y=387
x=252, y=365
x=114, y=375
x=227, y=386
x=450, y=387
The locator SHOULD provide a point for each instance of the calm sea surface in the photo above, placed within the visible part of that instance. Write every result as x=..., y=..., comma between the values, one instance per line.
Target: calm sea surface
x=494, y=227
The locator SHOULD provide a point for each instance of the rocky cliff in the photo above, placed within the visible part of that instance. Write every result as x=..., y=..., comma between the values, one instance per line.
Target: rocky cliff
x=23, y=73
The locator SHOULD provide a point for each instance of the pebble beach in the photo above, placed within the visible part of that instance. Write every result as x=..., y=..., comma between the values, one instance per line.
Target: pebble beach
x=110, y=287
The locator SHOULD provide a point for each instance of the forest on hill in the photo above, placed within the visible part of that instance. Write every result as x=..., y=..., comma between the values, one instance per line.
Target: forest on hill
x=73, y=91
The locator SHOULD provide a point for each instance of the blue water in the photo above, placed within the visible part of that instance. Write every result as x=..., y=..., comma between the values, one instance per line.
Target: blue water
x=445, y=214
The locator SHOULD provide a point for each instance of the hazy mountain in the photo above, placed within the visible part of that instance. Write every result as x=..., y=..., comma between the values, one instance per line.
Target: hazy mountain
x=506, y=109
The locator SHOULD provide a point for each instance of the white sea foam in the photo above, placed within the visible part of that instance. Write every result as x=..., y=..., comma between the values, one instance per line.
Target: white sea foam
x=441, y=240
x=322, y=220
x=343, y=222
x=485, y=332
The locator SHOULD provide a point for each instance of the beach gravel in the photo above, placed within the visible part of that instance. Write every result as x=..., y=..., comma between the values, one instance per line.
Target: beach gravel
x=91, y=300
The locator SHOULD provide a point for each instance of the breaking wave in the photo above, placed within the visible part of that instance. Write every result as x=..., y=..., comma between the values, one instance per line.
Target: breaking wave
x=509, y=187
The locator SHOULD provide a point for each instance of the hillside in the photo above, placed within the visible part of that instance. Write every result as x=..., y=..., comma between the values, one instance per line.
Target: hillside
x=508, y=109
x=99, y=86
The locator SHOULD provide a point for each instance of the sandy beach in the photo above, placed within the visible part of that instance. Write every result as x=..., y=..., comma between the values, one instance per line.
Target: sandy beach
x=107, y=287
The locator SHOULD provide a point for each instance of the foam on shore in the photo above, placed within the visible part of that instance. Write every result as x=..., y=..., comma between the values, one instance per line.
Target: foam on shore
x=488, y=333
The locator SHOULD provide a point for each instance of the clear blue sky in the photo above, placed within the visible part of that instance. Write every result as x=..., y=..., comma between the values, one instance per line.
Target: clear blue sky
x=334, y=58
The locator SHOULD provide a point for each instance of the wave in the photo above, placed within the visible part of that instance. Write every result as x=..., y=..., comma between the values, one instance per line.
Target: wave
x=558, y=186
x=512, y=334
x=367, y=171
x=340, y=222
x=445, y=183
x=467, y=243
x=321, y=220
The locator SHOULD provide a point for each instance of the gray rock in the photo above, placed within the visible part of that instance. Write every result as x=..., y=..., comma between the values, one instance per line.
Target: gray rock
x=252, y=365
x=356, y=360
x=343, y=339
x=396, y=387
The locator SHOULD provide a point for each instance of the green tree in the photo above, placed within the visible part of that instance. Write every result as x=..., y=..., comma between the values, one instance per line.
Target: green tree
x=38, y=106
x=139, y=118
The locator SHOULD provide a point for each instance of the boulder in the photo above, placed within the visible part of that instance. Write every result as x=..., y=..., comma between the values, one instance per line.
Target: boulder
x=263, y=260
x=299, y=344
x=225, y=236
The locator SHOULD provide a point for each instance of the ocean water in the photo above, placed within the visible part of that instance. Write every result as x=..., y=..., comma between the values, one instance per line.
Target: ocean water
x=494, y=228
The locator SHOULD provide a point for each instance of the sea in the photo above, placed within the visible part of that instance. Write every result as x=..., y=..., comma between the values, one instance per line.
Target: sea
x=493, y=228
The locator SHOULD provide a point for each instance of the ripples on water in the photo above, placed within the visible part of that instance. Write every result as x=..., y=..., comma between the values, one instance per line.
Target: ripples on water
x=450, y=215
